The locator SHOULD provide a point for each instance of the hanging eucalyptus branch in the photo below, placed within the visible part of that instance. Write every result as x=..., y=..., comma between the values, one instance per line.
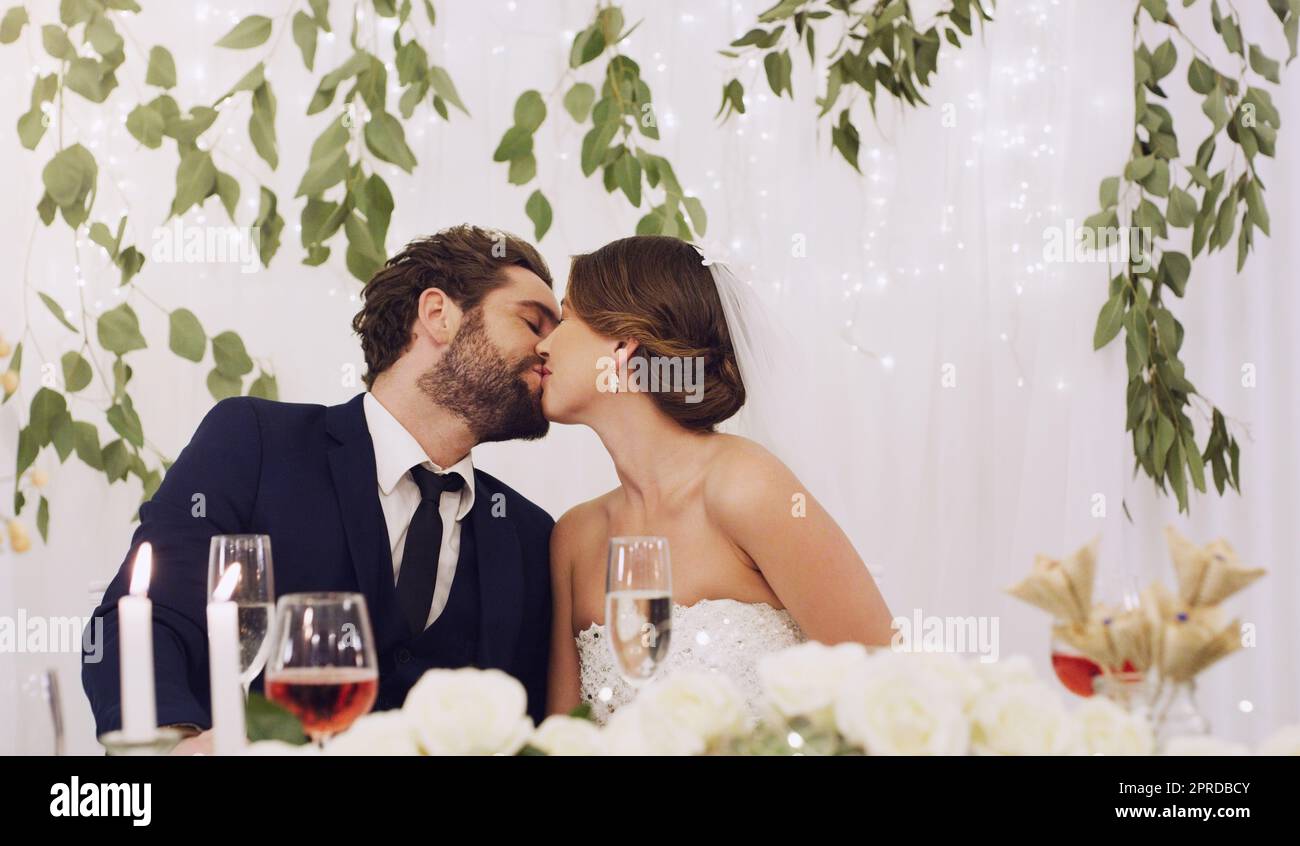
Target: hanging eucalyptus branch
x=611, y=144
x=881, y=47
x=362, y=208
x=71, y=180
x=1152, y=196
x=363, y=205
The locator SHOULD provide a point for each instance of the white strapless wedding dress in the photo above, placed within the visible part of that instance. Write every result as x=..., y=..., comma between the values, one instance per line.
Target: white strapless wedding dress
x=724, y=636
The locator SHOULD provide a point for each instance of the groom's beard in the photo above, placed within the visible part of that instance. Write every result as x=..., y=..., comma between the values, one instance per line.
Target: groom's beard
x=477, y=384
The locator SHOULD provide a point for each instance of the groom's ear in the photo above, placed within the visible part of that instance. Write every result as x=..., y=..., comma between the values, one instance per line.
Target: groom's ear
x=437, y=315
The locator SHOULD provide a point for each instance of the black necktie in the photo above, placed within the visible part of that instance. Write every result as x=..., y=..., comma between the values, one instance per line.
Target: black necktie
x=419, y=573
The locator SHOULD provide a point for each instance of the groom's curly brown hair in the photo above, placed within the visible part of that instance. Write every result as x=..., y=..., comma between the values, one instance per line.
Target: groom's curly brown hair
x=465, y=262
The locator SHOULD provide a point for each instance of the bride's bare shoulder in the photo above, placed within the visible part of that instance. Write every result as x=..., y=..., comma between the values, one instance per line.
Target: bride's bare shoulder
x=741, y=473
x=580, y=523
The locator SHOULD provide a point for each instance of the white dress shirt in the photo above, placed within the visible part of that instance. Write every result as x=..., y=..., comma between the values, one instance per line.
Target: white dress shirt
x=396, y=452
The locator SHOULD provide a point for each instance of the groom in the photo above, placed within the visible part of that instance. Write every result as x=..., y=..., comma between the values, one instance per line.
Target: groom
x=378, y=495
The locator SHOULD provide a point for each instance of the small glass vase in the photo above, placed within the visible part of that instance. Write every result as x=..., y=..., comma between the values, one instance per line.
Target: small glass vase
x=1174, y=712
x=1131, y=691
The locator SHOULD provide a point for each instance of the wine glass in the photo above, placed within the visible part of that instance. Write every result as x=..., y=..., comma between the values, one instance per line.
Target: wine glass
x=638, y=606
x=254, y=595
x=322, y=667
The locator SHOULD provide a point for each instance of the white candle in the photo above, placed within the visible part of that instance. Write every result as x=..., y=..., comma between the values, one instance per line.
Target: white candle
x=135, y=647
x=228, y=736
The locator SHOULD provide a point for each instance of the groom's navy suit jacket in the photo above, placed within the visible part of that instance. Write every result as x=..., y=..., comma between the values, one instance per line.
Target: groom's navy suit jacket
x=305, y=475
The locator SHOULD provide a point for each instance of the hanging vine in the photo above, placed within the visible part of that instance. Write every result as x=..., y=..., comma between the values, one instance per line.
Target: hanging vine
x=1160, y=190
x=881, y=47
x=618, y=122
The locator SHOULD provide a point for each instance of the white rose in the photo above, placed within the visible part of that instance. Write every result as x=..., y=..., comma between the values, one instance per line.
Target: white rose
x=633, y=730
x=1023, y=719
x=1014, y=670
x=1110, y=730
x=957, y=675
x=897, y=705
x=1284, y=741
x=802, y=681
x=563, y=735
x=705, y=704
x=380, y=733
x=468, y=712
x=1202, y=744
x=279, y=747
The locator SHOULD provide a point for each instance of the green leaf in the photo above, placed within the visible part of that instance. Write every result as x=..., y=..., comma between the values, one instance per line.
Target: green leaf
x=221, y=386
x=162, y=68
x=119, y=330
x=516, y=143
x=269, y=225
x=1201, y=78
x=1174, y=269
x=445, y=88
x=229, y=355
x=1108, y=194
x=1164, y=440
x=522, y=169
x=56, y=310
x=387, y=140
x=695, y=209
x=530, y=110
x=146, y=126
x=115, y=460
x=1216, y=108
x=1261, y=64
x=1181, y=211
x=577, y=102
x=304, y=35
x=329, y=161
x=196, y=179
x=76, y=372
x=539, y=212
x=252, y=31
x=228, y=193
x=265, y=720
x=69, y=178
x=261, y=125
x=1195, y=463
x=627, y=173
x=47, y=405
x=186, y=336
x=264, y=386
x=126, y=422
x=11, y=26
x=1109, y=321
x=55, y=40
x=43, y=519
x=85, y=438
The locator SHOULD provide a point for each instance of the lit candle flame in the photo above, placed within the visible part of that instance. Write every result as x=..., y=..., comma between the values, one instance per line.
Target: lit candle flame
x=226, y=587
x=141, y=570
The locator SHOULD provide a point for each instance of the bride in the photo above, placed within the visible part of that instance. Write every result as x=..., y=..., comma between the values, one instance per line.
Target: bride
x=758, y=564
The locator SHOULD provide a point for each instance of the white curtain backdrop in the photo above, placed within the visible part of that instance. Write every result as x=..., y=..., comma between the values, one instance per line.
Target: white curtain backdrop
x=966, y=423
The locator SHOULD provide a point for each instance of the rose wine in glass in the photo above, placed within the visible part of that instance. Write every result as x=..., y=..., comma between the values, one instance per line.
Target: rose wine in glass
x=254, y=595
x=638, y=606
x=323, y=668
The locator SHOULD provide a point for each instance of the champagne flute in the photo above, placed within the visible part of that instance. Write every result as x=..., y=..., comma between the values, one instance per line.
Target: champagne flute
x=323, y=667
x=254, y=595
x=638, y=606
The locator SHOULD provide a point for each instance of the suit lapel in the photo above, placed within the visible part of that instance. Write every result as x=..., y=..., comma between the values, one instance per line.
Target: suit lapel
x=501, y=581
x=352, y=464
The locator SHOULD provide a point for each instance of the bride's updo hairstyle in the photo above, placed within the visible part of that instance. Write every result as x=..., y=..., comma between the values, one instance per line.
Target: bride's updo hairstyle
x=653, y=289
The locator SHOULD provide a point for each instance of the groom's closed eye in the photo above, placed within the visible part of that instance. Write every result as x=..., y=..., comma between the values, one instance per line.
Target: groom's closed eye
x=538, y=316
